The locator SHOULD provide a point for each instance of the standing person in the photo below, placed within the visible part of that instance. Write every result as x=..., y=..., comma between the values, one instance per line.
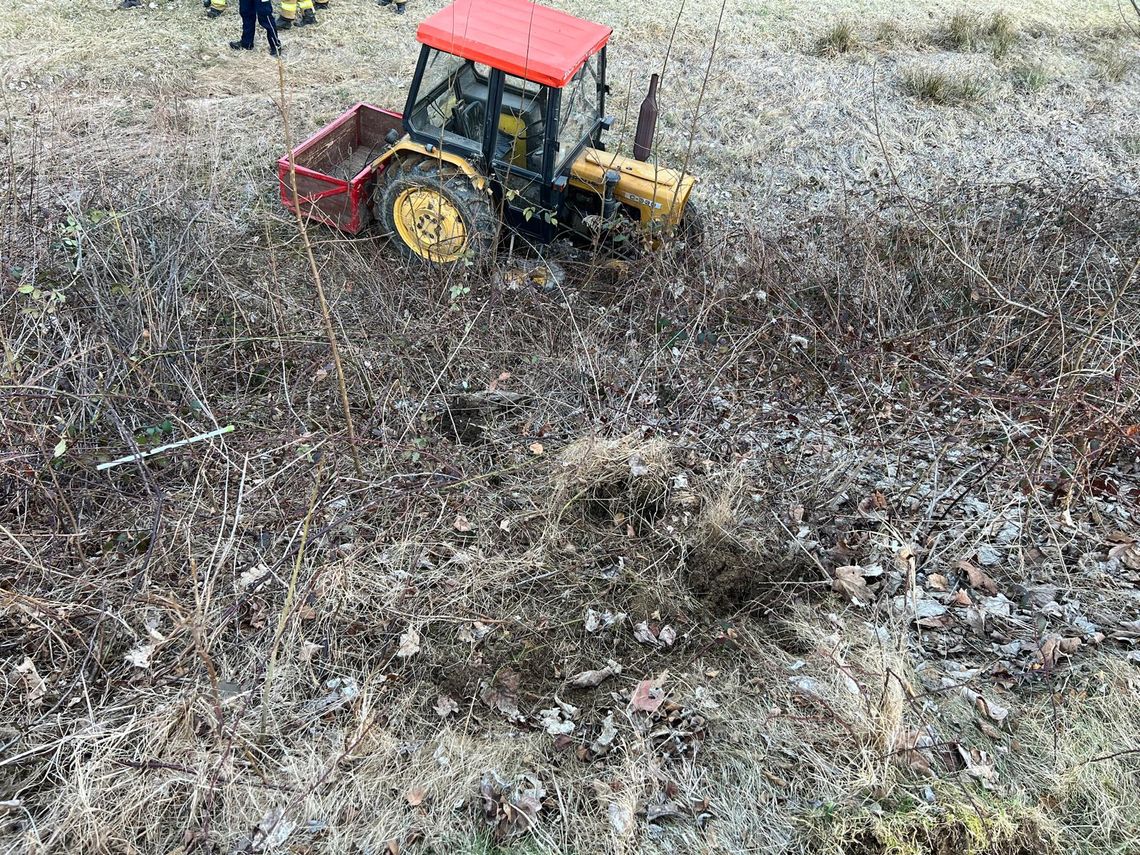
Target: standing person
x=254, y=12
x=288, y=15
x=214, y=8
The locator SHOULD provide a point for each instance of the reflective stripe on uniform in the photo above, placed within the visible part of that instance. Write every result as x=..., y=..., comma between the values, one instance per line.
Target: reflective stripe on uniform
x=289, y=9
x=220, y=5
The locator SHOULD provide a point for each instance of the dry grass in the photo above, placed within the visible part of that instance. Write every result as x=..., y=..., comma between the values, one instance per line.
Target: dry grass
x=969, y=32
x=685, y=446
x=1031, y=76
x=840, y=38
x=1113, y=66
x=942, y=87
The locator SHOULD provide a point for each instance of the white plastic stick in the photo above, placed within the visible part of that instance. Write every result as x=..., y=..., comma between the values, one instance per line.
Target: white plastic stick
x=132, y=457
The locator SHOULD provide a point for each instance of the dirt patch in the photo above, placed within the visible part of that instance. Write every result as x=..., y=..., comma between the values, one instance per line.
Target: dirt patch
x=730, y=577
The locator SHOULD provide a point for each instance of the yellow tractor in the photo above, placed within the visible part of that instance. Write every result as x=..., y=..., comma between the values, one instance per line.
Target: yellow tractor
x=503, y=126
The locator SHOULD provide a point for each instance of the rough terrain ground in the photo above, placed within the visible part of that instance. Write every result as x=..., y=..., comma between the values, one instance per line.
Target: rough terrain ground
x=825, y=541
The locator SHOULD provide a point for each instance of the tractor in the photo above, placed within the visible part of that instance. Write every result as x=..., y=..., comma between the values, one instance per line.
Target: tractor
x=502, y=127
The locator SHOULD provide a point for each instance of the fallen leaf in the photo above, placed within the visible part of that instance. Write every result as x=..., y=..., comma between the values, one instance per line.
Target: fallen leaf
x=644, y=634
x=937, y=582
x=621, y=818
x=472, y=633
x=849, y=582
x=34, y=686
x=309, y=650
x=554, y=723
x=988, y=556
x=461, y=523
x=590, y=679
x=605, y=740
x=977, y=578
x=991, y=709
x=1054, y=647
x=961, y=598
x=536, y=448
x=1127, y=554
x=668, y=635
x=602, y=620
x=1127, y=631
x=140, y=656
x=273, y=830
x=416, y=796
x=445, y=705
x=409, y=643
x=873, y=506
x=647, y=697
x=979, y=764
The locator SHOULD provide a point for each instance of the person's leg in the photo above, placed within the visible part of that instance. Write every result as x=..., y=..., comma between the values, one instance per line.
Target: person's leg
x=308, y=16
x=288, y=14
x=265, y=17
x=248, y=22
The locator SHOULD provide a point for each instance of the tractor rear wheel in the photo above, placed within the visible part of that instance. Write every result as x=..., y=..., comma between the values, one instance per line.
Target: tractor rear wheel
x=435, y=213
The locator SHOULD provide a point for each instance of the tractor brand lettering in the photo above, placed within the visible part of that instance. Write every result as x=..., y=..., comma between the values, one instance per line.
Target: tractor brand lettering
x=641, y=200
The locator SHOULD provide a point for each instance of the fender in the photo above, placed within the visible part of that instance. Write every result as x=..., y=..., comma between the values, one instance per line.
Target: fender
x=412, y=147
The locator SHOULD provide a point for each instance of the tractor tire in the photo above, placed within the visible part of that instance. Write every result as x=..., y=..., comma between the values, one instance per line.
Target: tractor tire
x=692, y=230
x=434, y=213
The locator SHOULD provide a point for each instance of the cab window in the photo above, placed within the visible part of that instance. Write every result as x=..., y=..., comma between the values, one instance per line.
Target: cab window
x=452, y=101
x=578, y=114
x=522, y=124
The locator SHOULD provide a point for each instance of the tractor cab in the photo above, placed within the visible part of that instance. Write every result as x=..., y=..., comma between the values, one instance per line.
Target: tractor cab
x=516, y=87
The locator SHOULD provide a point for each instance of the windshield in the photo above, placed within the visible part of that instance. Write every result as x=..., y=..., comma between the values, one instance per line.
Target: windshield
x=578, y=114
x=452, y=101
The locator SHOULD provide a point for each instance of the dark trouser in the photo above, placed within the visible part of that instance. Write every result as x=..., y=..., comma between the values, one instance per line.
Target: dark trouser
x=254, y=12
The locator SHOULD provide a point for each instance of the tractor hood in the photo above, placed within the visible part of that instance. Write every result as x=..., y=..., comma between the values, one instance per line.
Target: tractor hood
x=659, y=194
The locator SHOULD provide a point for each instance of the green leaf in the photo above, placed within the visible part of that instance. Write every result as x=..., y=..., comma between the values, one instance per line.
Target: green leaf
x=60, y=447
x=26, y=289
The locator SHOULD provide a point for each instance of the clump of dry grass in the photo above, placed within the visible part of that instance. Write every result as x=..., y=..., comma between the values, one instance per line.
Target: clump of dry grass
x=626, y=477
x=966, y=31
x=943, y=87
x=1113, y=66
x=1031, y=76
x=840, y=38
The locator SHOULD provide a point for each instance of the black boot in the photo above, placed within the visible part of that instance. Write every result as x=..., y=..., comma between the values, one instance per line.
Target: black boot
x=400, y=8
x=308, y=17
x=240, y=46
x=277, y=51
x=321, y=6
x=213, y=13
x=283, y=23
x=383, y=2
x=130, y=4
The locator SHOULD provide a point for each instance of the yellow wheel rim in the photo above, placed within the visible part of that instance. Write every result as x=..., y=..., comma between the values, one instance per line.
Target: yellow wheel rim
x=430, y=225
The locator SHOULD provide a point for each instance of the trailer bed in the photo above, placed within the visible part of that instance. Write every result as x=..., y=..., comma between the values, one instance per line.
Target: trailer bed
x=337, y=167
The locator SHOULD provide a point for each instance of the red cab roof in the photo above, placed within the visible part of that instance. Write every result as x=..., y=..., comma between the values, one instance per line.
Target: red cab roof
x=519, y=37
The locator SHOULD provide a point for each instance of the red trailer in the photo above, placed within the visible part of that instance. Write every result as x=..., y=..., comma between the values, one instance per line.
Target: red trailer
x=337, y=167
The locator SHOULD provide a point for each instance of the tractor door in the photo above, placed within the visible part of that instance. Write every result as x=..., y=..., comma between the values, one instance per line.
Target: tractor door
x=447, y=105
x=519, y=153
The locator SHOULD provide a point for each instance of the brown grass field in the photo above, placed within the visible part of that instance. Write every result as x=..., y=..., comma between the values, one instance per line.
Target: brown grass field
x=824, y=541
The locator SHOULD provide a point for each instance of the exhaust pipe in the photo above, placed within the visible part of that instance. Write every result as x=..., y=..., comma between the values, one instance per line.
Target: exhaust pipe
x=646, y=123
